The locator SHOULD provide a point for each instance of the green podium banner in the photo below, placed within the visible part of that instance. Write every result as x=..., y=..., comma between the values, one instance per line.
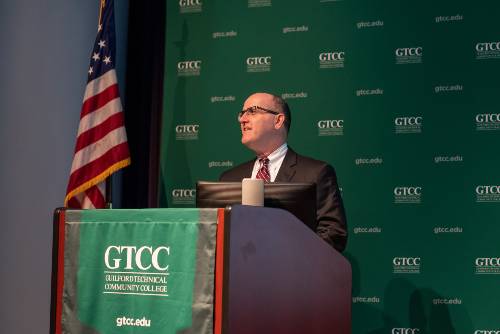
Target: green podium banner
x=138, y=271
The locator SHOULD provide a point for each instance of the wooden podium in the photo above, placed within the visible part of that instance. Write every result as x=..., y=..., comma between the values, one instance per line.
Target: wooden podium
x=272, y=275
x=280, y=277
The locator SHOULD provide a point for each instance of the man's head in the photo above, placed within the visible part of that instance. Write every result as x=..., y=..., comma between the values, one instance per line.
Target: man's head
x=265, y=122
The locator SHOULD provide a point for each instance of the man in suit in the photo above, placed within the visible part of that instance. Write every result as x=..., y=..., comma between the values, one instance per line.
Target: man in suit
x=265, y=122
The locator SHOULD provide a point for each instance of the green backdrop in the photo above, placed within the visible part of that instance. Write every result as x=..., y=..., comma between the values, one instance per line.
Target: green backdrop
x=401, y=97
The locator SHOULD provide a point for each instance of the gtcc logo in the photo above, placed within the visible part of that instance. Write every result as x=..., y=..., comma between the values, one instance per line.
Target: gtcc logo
x=406, y=261
x=411, y=55
x=330, y=127
x=488, y=122
x=329, y=56
x=488, y=193
x=133, y=257
x=331, y=123
x=189, y=68
x=487, y=265
x=406, y=52
x=408, y=191
x=408, y=124
x=259, y=64
x=488, y=46
x=333, y=59
x=183, y=196
x=190, y=64
x=487, y=50
x=187, y=128
x=190, y=6
x=488, y=118
x=184, y=193
x=406, y=265
x=412, y=120
x=187, y=131
x=486, y=190
x=185, y=3
x=259, y=3
x=407, y=194
x=488, y=261
x=405, y=330
x=259, y=60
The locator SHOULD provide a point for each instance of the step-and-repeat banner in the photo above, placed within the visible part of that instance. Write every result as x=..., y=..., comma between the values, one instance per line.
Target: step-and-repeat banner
x=401, y=97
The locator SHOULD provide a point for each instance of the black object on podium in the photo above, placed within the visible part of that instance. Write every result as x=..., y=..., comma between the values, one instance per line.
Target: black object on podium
x=297, y=198
x=280, y=277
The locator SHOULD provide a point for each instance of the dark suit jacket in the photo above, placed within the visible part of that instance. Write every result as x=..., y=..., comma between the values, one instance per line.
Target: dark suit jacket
x=330, y=214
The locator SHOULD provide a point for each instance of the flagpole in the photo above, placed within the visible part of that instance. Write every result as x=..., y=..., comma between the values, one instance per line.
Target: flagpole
x=109, y=182
x=109, y=196
x=101, y=7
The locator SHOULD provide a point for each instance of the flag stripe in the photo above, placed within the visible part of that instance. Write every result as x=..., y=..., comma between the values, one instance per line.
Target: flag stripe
x=98, y=166
x=98, y=101
x=87, y=203
x=99, y=178
x=99, y=84
x=95, y=196
x=74, y=203
x=87, y=176
x=100, y=131
x=98, y=148
x=98, y=116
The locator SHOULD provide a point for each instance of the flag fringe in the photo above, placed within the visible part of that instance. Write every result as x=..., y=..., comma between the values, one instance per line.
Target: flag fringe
x=96, y=180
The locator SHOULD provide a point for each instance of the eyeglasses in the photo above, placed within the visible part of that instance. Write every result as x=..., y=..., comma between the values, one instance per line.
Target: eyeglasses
x=253, y=110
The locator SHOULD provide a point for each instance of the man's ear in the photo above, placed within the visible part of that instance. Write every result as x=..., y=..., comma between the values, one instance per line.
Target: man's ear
x=279, y=121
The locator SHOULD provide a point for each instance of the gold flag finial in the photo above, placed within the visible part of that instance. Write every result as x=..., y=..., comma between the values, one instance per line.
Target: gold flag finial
x=101, y=7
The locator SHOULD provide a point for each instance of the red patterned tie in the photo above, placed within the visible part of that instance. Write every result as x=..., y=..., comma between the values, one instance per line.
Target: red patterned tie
x=263, y=173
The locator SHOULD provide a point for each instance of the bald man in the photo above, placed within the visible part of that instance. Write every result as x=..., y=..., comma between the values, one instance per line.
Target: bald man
x=265, y=122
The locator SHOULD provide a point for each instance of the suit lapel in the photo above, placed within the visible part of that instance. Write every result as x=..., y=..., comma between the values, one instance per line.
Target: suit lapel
x=248, y=168
x=287, y=169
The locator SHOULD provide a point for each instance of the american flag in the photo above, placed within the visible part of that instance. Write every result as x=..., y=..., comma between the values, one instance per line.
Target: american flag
x=101, y=144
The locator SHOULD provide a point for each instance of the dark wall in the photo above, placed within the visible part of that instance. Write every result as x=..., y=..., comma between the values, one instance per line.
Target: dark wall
x=143, y=105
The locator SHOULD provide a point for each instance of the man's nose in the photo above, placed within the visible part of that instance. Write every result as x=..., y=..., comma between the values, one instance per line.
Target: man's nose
x=244, y=119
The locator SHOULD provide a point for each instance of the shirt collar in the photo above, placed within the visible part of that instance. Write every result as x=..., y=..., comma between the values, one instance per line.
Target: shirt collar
x=278, y=154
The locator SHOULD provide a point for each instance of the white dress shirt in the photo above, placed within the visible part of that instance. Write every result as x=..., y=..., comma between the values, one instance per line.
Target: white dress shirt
x=275, y=160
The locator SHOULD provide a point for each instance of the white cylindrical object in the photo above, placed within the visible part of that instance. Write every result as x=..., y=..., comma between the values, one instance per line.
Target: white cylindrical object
x=252, y=192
